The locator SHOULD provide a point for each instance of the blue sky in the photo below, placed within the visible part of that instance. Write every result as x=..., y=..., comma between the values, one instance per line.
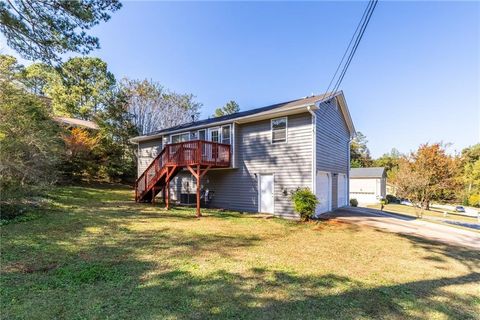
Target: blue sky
x=415, y=77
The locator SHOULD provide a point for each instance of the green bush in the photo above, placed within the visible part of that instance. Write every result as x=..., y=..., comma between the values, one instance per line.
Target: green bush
x=29, y=141
x=354, y=202
x=392, y=199
x=474, y=200
x=304, y=203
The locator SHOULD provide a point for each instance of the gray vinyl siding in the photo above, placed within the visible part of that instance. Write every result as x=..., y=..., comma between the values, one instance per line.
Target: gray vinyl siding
x=332, y=144
x=147, y=151
x=290, y=162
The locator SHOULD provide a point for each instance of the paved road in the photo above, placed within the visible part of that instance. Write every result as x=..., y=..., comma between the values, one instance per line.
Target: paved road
x=410, y=226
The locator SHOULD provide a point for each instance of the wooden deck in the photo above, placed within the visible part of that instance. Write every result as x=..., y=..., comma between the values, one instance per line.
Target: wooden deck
x=198, y=156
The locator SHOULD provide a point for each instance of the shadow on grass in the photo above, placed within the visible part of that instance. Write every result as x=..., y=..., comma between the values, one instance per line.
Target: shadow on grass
x=88, y=263
x=361, y=212
x=470, y=258
x=124, y=286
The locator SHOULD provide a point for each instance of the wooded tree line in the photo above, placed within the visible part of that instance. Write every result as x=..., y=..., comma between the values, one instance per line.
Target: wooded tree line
x=427, y=174
x=36, y=150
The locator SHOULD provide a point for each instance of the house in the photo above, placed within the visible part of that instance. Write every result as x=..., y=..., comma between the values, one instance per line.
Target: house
x=252, y=161
x=368, y=185
x=76, y=123
x=391, y=189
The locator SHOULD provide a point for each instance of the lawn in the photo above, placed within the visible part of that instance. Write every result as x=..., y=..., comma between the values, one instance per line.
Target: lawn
x=98, y=255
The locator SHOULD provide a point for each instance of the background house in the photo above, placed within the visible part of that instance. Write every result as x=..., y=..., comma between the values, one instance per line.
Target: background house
x=368, y=185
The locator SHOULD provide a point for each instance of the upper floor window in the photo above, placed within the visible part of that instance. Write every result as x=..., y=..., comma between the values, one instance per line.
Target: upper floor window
x=279, y=130
x=180, y=137
x=226, y=135
x=201, y=134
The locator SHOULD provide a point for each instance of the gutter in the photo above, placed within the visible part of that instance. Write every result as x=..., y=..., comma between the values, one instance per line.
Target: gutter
x=314, y=149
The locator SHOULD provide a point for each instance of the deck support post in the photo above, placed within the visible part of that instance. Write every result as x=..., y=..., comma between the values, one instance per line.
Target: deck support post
x=199, y=214
x=167, y=191
x=198, y=174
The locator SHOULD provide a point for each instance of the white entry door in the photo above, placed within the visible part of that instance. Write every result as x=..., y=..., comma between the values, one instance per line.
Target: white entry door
x=342, y=190
x=266, y=193
x=324, y=190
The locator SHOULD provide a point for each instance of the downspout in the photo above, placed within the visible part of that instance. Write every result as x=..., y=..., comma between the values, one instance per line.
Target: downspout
x=314, y=149
x=352, y=136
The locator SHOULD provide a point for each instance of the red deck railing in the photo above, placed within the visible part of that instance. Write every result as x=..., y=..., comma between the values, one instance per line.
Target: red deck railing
x=182, y=154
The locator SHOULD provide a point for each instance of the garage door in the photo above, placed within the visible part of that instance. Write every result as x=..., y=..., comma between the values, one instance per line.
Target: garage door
x=342, y=190
x=324, y=187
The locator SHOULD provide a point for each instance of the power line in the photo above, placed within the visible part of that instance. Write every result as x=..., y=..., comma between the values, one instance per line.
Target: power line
x=349, y=44
x=357, y=35
x=362, y=32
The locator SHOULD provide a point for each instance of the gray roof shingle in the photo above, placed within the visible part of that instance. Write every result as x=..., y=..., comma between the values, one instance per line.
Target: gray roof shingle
x=374, y=172
x=293, y=103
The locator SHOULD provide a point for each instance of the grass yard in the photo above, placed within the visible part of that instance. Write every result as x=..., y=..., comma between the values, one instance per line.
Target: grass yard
x=98, y=255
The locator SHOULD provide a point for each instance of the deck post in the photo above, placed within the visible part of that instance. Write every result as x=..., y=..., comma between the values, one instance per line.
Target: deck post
x=199, y=214
x=167, y=191
x=136, y=191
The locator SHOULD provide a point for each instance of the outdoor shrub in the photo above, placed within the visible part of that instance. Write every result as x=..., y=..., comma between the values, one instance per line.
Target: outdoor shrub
x=474, y=200
x=304, y=203
x=392, y=199
x=354, y=202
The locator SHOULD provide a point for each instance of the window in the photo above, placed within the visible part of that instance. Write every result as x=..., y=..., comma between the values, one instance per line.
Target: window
x=226, y=134
x=193, y=135
x=201, y=135
x=180, y=137
x=279, y=130
x=215, y=135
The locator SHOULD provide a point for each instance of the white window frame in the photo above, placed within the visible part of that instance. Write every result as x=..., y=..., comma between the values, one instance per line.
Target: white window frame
x=286, y=130
x=221, y=133
x=219, y=129
x=205, y=131
x=179, y=134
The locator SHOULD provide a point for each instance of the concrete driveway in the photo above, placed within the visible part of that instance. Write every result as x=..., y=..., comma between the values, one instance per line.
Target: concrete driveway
x=409, y=226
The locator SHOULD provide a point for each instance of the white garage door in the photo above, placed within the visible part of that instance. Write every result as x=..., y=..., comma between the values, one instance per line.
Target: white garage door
x=324, y=188
x=342, y=190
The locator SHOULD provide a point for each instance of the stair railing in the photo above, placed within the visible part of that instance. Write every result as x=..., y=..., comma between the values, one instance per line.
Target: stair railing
x=182, y=154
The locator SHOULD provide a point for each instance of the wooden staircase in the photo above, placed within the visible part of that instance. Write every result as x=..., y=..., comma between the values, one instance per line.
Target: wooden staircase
x=197, y=156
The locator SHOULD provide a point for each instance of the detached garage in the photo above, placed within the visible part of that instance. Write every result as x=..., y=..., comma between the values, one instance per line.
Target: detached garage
x=368, y=185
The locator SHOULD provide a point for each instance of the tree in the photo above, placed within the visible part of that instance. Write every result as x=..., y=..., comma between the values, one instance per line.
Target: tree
x=359, y=152
x=29, y=139
x=154, y=108
x=43, y=30
x=229, y=108
x=81, y=159
x=78, y=87
x=470, y=175
x=427, y=175
x=116, y=128
x=389, y=161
